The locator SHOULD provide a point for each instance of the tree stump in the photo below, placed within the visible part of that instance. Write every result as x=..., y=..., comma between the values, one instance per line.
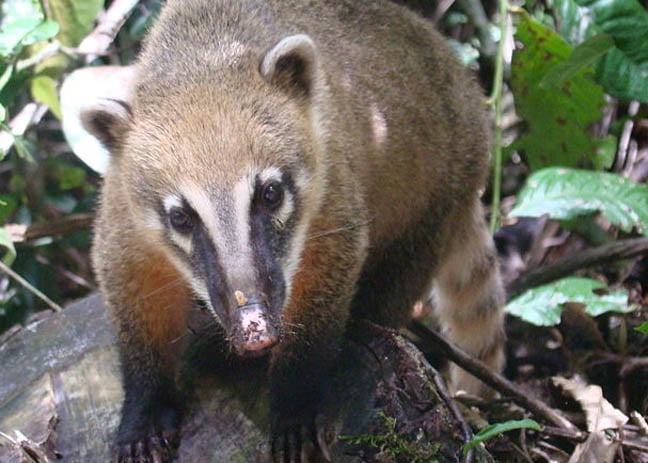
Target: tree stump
x=61, y=390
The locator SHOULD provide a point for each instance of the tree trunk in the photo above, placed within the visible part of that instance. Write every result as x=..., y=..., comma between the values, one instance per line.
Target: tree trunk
x=61, y=391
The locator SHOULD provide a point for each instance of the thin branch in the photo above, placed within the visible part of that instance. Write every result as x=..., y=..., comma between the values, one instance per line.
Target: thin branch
x=5, y=268
x=53, y=48
x=605, y=254
x=65, y=226
x=489, y=377
x=99, y=40
x=469, y=457
x=496, y=101
x=31, y=114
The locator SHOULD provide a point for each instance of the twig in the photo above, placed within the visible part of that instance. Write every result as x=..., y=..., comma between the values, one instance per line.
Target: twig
x=611, y=252
x=5, y=268
x=623, y=164
x=31, y=114
x=99, y=40
x=454, y=409
x=64, y=226
x=640, y=421
x=635, y=446
x=492, y=379
x=578, y=436
x=496, y=101
x=53, y=48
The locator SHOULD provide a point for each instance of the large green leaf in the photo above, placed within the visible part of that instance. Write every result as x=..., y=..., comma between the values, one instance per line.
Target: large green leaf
x=558, y=118
x=564, y=194
x=76, y=18
x=542, y=306
x=626, y=21
x=583, y=56
x=622, y=71
x=23, y=32
x=622, y=77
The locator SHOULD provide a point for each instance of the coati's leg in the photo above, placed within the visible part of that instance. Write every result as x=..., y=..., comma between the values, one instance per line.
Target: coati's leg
x=150, y=316
x=469, y=297
x=314, y=322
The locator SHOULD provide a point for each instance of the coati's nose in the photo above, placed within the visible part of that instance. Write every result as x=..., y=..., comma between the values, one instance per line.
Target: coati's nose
x=253, y=333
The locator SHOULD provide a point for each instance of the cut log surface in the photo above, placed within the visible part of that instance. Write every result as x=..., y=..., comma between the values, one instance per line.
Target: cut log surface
x=61, y=393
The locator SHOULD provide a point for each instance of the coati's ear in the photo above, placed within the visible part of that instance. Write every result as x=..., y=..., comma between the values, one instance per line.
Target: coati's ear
x=291, y=64
x=96, y=113
x=108, y=120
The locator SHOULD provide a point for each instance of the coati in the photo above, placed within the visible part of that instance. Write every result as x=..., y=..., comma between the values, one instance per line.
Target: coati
x=295, y=165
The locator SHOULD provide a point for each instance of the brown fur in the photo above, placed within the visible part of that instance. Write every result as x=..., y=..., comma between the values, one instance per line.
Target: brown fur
x=392, y=131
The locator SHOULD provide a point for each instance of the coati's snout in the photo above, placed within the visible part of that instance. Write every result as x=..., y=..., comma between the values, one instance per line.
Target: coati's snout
x=253, y=329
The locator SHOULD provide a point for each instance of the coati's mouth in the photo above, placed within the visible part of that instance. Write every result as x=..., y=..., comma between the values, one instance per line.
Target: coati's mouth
x=251, y=333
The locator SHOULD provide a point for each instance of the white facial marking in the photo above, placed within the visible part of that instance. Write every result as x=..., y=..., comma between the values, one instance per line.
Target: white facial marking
x=378, y=126
x=228, y=226
x=169, y=202
x=293, y=259
x=271, y=173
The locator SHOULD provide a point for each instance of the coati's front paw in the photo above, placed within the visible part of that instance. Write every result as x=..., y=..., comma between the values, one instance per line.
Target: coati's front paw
x=147, y=434
x=161, y=448
x=300, y=439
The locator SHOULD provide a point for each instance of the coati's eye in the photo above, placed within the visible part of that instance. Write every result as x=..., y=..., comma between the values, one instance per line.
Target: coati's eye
x=181, y=220
x=272, y=195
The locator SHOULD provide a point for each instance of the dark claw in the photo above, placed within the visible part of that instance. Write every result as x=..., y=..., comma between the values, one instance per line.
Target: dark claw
x=300, y=444
x=325, y=436
x=154, y=449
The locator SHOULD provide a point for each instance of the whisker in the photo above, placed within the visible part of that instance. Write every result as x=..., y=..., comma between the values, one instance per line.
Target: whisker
x=170, y=284
x=334, y=231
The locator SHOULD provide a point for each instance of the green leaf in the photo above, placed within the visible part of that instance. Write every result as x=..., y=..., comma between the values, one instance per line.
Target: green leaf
x=3, y=113
x=622, y=71
x=564, y=194
x=542, y=306
x=69, y=176
x=558, y=118
x=626, y=21
x=7, y=243
x=8, y=205
x=643, y=328
x=43, y=89
x=581, y=58
x=76, y=18
x=21, y=148
x=6, y=75
x=24, y=32
x=606, y=149
x=496, y=429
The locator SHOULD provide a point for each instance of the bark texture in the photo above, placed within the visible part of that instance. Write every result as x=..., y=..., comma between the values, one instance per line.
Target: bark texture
x=61, y=390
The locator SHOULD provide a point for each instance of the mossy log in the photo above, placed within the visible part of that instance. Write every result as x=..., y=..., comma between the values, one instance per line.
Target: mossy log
x=61, y=392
